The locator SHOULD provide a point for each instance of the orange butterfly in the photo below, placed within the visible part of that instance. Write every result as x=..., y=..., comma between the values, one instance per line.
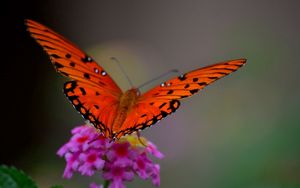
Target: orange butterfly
x=100, y=100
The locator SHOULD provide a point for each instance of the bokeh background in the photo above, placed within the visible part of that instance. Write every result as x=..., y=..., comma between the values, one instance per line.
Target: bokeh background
x=242, y=131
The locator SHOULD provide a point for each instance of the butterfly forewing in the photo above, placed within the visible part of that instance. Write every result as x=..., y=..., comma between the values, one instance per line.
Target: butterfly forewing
x=93, y=92
x=164, y=99
x=69, y=60
x=94, y=103
x=190, y=83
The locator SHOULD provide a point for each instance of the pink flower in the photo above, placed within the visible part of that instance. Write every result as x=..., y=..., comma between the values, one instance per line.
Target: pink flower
x=93, y=161
x=88, y=152
x=142, y=166
x=121, y=153
x=151, y=148
x=72, y=164
x=155, y=175
x=94, y=185
x=117, y=173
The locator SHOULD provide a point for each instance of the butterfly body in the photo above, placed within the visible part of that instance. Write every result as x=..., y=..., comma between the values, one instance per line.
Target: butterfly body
x=96, y=96
x=127, y=102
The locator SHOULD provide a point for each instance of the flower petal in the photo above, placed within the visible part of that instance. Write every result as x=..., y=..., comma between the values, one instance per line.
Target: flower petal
x=151, y=148
x=94, y=185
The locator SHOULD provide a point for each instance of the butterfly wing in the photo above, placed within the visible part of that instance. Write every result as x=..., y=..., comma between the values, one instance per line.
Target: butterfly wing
x=163, y=100
x=69, y=60
x=94, y=103
x=93, y=92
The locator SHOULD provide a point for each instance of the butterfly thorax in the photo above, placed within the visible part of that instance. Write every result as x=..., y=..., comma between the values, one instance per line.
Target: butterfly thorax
x=127, y=102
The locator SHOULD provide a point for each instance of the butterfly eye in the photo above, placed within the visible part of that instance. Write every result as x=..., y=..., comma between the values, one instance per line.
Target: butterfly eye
x=103, y=73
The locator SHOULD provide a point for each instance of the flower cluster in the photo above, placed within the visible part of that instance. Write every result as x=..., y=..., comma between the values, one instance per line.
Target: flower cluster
x=88, y=152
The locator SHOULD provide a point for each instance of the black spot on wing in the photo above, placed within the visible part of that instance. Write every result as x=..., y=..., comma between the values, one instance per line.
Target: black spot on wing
x=73, y=98
x=64, y=73
x=193, y=91
x=195, y=79
x=86, y=75
x=186, y=86
x=170, y=92
x=87, y=59
x=174, y=104
x=202, y=83
x=70, y=86
x=182, y=77
x=162, y=105
x=223, y=73
x=58, y=65
x=163, y=113
x=96, y=106
x=68, y=56
x=83, y=92
x=72, y=64
x=55, y=56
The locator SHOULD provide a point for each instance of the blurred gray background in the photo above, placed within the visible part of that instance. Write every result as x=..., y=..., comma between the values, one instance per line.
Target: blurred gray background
x=242, y=131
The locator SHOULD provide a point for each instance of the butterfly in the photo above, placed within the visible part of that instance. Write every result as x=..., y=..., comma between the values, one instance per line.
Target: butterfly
x=100, y=100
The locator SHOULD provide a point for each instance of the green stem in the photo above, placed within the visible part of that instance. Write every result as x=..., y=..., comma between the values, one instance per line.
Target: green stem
x=106, y=184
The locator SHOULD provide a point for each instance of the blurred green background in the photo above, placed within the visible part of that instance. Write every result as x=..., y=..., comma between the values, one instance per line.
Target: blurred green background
x=242, y=131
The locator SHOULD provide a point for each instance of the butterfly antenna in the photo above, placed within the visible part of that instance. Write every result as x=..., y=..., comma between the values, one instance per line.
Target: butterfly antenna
x=160, y=76
x=122, y=69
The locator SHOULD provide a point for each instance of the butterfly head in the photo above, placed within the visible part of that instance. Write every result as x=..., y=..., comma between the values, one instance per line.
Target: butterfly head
x=134, y=91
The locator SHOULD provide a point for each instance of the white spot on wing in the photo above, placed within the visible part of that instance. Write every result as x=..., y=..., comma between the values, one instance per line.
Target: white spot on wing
x=103, y=73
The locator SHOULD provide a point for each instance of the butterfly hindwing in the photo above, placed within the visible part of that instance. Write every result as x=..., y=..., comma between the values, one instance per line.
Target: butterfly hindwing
x=144, y=115
x=94, y=104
